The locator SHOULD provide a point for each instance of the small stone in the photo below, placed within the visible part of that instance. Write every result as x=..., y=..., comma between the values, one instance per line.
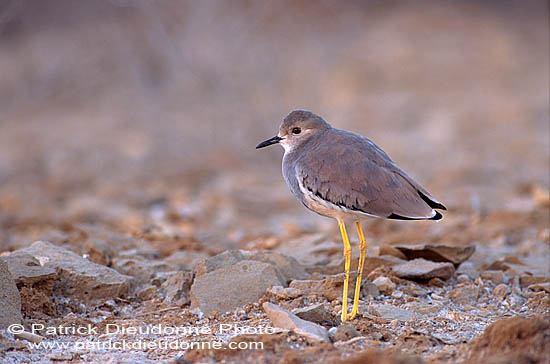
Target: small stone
x=330, y=287
x=287, y=320
x=146, y=293
x=342, y=333
x=438, y=253
x=230, y=287
x=501, y=290
x=414, y=291
x=390, y=312
x=464, y=296
x=177, y=287
x=528, y=280
x=397, y=294
x=160, y=278
x=61, y=357
x=385, y=285
x=10, y=300
x=463, y=278
x=284, y=293
x=318, y=314
x=370, y=289
x=495, y=276
x=436, y=282
x=423, y=270
x=424, y=309
x=537, y=287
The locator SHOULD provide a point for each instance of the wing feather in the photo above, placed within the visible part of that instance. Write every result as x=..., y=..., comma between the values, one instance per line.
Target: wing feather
x=363, y=178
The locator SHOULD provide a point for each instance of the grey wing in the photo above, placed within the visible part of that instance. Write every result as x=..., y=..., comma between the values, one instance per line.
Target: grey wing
x=365, y=180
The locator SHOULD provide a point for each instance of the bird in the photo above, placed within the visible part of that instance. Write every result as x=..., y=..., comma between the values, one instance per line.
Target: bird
x=345, y=176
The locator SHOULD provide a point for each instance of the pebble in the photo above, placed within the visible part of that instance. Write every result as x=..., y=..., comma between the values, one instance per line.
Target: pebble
x=464, y=295
x=397, y=294
x=528, y=280
x=177, y=287
x=147, y=292
x=501, y=290
x=537, y=287
x=287, y=320
x=414, y=291
x=425, y=309
x=370, y=289
x=436, y=282
x=342, y=333
x=385, y=285
x=284, y=293
x=390, y=312
x=495, y=276
x=317, y=313
x=330, y=287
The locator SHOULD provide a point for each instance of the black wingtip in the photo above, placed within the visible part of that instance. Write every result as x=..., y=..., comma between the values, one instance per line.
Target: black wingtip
x=437, y=216
x=431, y=203
x=393, y=216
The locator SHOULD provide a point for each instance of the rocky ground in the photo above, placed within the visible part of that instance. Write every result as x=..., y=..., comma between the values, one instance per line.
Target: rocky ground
x=430, y=302
x=138, y=223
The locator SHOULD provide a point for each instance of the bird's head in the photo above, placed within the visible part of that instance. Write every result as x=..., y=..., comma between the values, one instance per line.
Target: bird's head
x=297, y=127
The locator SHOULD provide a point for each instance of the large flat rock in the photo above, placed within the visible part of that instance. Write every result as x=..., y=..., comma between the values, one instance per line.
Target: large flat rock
x=79, y=277
x=287, y=268
x=232, y=286
x=422, y=269
x=438, y=253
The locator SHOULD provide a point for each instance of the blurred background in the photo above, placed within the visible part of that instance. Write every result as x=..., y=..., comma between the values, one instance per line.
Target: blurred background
x=144, y=115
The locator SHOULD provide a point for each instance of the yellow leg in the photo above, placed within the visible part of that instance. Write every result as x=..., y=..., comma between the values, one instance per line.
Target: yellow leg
x=347, y=255
x=362, y=256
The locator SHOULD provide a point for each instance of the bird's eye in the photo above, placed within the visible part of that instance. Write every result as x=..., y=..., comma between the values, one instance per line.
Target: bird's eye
x=296, y=131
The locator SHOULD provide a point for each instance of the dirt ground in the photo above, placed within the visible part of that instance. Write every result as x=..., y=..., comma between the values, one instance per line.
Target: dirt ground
x=128, y=129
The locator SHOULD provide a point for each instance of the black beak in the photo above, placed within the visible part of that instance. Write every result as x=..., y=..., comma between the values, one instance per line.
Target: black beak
x=268, y=142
